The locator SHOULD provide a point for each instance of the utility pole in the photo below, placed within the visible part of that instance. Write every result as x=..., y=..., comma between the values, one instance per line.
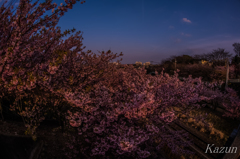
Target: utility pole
x=227, y=74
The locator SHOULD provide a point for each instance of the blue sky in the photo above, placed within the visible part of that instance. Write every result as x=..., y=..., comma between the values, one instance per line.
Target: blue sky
x=155, y=29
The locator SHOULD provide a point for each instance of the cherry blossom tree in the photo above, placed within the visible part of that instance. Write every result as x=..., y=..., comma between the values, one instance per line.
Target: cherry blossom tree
x=113, y=109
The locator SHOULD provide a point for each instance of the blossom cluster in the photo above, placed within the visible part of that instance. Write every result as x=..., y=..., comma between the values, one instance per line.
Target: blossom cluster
x=103, y=105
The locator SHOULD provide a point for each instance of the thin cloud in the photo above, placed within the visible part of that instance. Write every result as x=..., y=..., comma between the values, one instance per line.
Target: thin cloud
x=186, y=20
x=187, y=35
x=178, y=40
x=171, y=27
x=215, y=42
x=215, y=39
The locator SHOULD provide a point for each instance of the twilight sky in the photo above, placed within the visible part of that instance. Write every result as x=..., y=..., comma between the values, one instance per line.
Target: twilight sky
x=155, y=29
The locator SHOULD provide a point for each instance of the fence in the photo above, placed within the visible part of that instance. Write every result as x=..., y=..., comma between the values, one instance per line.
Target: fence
x=234, y=81
x=201, y=143
x=233, y=142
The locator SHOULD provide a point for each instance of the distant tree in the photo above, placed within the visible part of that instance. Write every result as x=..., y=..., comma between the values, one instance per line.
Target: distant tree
x=200, y=57
x=237, y=48
x=219, y=56
x=169, y=63
x=236, y=59
x=184, y=59
x=167, y=60
x=216, y=56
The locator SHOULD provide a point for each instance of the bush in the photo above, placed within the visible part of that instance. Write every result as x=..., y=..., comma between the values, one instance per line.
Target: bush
x=196, y=70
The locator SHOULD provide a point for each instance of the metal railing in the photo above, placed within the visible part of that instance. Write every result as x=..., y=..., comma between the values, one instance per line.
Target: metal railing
x=234, y=80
